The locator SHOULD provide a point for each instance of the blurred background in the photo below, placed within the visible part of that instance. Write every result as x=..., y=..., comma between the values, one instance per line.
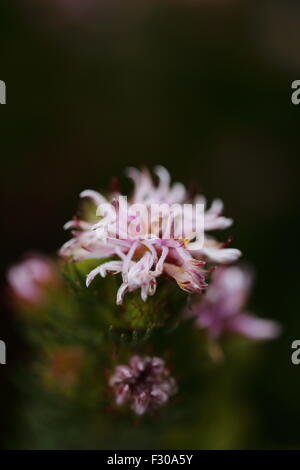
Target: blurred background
x=200, y=86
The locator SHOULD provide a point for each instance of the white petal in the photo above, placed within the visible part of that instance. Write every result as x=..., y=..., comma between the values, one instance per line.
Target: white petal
x=177, y=194
x=163, y=175
x=112, y=266
x=216, y=223
x=121, y=292
x=216, y=207
x=221, y=255
x=254, y=327
x=90, y=277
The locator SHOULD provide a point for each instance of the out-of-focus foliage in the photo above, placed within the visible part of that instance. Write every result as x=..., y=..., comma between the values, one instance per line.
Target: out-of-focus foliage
x=78, y=335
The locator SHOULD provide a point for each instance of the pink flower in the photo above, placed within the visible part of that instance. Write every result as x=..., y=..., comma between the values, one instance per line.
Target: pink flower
x=145, y=383
x=155, y=233
x=73, y=8
x=221, y=309
x=28, y=279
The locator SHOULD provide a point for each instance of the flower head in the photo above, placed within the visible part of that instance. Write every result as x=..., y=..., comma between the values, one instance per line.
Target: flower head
x=158, y=231
x=28, y=279
x=221, y=310
x=145, y=383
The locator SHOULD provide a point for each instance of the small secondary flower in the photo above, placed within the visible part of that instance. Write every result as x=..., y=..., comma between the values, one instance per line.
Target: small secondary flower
x=29, y=278
x=145, y=383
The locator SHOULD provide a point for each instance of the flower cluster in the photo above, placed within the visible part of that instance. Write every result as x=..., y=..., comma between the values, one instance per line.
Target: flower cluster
x=159, y=231
x=145, y=253
x=221, y=310
x=145, y=383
